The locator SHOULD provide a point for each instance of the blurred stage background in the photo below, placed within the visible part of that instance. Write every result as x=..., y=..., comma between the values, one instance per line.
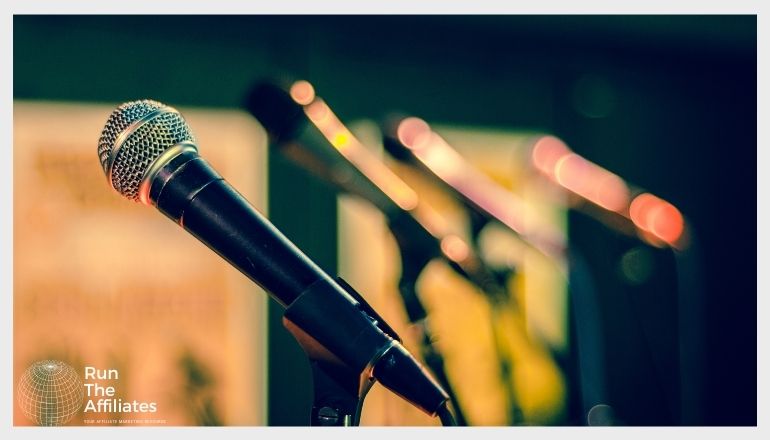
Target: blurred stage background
x=666, y=102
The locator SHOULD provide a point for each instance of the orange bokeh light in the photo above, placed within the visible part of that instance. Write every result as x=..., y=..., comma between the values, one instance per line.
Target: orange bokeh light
x=592, y=182
x=318, y=112
x=302, y=92
x=640, y=207
x=658, y=217
x=610, y=192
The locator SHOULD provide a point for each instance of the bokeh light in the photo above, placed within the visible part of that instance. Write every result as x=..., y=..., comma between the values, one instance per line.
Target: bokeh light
x=658, y=217
x=302, y=92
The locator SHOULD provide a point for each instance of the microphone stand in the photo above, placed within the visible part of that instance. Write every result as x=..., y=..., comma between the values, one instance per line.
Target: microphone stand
x=338, y=391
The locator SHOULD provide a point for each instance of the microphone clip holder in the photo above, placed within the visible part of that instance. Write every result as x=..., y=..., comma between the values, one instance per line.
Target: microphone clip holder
x=338, y=389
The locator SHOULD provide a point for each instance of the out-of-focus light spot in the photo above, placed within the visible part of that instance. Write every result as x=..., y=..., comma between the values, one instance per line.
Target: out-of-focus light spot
x=601, y=415
x=658, y=217
x=591, y=182
x=404, y=196
x=667, y=222
x=570, y=171
x=611, y=192
x=548, y=150
x=413, y=132
x=593, y=97
x=444, y=161
x=318, y=112
x=302, y=92
x=640, y=207
x=636, y=265
x=454, y=248
x=341, y=140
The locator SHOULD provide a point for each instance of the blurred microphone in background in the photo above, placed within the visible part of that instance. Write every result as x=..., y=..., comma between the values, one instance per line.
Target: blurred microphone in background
x=412, y=141
x=623, y=208
x=607, y=196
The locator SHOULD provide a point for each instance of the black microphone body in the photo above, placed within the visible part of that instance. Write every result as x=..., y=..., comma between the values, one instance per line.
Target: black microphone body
x=192, y=194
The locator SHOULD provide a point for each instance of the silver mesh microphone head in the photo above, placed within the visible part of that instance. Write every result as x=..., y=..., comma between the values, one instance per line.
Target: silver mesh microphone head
x=135, y=136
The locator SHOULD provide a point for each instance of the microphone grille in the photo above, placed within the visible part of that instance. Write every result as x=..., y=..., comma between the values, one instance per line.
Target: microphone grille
x=135, y=135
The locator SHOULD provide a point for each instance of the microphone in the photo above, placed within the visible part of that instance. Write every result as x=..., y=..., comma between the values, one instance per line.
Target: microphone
x=149, y=155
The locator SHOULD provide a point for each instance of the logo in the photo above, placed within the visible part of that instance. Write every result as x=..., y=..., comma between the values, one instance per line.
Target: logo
x=50, y=393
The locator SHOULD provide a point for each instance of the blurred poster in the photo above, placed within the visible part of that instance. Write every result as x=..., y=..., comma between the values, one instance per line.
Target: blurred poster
x=120, y=316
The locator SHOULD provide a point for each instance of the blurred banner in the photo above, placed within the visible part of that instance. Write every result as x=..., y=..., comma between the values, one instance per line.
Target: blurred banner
x=158, y=329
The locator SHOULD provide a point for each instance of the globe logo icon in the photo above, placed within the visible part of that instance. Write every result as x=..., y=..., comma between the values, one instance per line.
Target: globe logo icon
x=50, y=393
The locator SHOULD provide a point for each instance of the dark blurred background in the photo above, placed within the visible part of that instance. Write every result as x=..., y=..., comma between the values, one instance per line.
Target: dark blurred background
x=667, y=102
